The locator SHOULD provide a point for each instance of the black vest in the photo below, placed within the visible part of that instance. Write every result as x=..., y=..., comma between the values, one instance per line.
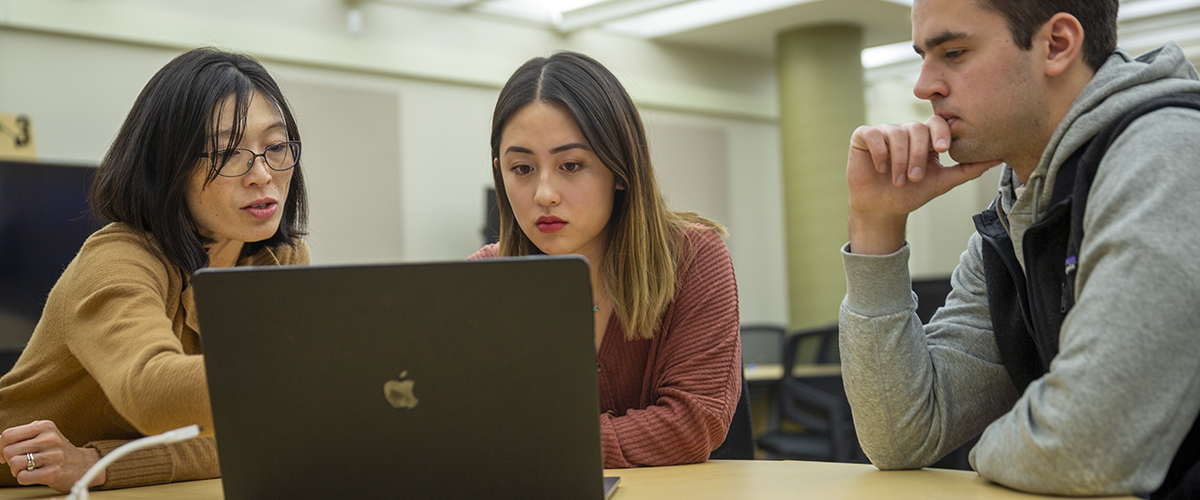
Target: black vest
x=1028, y=308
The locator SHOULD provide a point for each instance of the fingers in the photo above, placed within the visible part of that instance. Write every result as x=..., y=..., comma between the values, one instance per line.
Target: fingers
x=18, y=464
x=918, y=150
x=939, y=133
x=19, y=433
x=19, y=461
x=898, y=142
x=40, y=437
x=47, y=457
x=30, y=469
x=42, y=432
x=874, y=142
x=901, y=151
x=50, y=472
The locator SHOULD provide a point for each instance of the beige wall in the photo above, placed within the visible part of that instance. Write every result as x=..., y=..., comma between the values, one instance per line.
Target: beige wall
x=397, y=159
x=405, y=180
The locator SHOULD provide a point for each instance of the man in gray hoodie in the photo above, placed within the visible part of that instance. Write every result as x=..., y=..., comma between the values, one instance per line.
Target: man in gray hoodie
x=1024, y=84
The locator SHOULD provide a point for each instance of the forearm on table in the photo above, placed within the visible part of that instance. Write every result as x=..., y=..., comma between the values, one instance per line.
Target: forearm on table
x=916, y=396
x=183, y=461
x=679, y=429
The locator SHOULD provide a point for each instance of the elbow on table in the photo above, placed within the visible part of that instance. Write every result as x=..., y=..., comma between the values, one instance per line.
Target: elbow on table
x=885, y=462
x=1071, y=475
x=885, y=454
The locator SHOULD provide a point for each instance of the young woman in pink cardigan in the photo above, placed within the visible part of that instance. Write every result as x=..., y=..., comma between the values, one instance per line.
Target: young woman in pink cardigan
x=573, y=176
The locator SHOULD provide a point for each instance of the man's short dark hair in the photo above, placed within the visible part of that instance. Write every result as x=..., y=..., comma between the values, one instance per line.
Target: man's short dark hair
x=142, y=180
x=1098, y=18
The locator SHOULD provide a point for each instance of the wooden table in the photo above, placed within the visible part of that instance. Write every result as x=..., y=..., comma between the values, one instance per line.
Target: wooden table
x=718, y=479
x=773, y=372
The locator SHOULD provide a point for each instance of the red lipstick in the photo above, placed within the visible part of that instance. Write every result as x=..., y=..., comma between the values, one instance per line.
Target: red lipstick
x=550, y=224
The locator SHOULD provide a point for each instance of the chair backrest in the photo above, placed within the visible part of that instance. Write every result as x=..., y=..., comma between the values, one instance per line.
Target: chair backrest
x=816, y=346
x=739, y=441
x=817, y=402
x=762, y=344
x=931, y=294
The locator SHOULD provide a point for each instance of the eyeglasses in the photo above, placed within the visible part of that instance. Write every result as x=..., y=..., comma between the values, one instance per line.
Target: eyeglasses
x=235, y=162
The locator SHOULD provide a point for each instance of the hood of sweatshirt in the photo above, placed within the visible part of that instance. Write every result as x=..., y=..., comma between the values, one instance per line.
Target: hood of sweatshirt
x=1122, y=83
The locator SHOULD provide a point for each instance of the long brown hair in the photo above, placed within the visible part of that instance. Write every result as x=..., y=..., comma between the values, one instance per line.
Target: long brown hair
x=645, y=238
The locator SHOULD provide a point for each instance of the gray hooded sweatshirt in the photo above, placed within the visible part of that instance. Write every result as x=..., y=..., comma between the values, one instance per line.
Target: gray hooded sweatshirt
x=1125, y=387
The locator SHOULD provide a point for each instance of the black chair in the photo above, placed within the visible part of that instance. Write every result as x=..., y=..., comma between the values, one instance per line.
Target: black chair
x=739, y=441
x=8, y=358
x=762, y=344
x=931, y=294
x=816, y=407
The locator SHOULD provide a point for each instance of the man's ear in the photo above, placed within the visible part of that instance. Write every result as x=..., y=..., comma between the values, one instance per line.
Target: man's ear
x=1062, y=36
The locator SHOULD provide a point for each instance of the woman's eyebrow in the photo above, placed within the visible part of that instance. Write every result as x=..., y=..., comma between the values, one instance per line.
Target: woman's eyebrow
x=565, y=147
x=518, y=149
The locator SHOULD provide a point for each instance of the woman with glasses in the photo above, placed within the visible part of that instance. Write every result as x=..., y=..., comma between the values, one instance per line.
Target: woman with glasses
x=573, y=176
x=204, y=173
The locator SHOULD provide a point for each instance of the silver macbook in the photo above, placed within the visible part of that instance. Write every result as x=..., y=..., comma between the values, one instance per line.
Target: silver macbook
x=437, y=380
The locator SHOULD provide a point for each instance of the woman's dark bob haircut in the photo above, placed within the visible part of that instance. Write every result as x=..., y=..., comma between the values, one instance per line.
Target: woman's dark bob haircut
x=144, y=177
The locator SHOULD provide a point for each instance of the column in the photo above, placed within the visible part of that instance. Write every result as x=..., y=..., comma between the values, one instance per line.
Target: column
x=821, y=103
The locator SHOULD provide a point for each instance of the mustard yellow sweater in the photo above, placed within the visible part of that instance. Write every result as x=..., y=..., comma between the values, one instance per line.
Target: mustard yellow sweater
x=116, y=356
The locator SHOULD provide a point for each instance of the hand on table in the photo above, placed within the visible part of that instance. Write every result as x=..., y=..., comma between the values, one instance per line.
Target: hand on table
x=891, y=171
x=56, y=462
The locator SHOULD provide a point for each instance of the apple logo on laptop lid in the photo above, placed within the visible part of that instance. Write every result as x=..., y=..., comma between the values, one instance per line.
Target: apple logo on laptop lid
x=399, y=393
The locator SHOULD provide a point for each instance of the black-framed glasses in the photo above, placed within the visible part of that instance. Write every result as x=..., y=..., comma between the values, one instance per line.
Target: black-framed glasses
x=235, y=162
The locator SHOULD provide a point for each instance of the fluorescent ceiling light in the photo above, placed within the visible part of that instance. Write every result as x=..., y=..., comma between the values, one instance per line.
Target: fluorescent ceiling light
x=1149, y=8
x=537, y=10
x=692, y=15
x=892, y=53
x=439, y=3
x=611, y=10
x=523, y=9
x=1182, y=35
x=569, y=5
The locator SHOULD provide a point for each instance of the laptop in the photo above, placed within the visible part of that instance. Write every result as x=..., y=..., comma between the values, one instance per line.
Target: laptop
x=435, y=380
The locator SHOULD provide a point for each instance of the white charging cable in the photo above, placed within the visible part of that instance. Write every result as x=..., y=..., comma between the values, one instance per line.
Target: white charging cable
x=80, y=490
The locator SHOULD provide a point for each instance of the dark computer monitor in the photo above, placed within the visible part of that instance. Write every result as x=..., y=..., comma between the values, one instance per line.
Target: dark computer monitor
x=44, y=219
x=491, y=227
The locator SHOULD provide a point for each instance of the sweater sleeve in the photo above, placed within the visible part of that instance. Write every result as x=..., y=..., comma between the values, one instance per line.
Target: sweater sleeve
x=487, y=252
x=115, y=325
x=183, y=461
x=697, y=371
x=918, y=392
x=1125, y=386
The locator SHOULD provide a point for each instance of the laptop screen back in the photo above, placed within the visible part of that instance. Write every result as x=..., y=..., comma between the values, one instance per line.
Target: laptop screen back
x=440, y=380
